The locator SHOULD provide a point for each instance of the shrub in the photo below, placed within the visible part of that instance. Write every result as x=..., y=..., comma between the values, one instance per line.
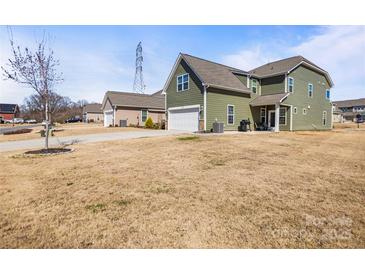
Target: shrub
x=148, y=123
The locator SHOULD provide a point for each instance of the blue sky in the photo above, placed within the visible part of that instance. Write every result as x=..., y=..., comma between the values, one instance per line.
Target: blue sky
x=95, y=59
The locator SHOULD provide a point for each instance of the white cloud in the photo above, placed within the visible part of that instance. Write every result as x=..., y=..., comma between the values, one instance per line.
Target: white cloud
x=341, y=51
x=338, y=49
x=248, y=59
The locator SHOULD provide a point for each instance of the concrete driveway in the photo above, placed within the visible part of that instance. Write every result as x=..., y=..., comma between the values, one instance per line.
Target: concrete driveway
x=89, y=138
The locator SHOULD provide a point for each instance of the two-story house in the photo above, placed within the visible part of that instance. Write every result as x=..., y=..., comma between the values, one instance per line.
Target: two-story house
x=289, y=94
x=347, y=110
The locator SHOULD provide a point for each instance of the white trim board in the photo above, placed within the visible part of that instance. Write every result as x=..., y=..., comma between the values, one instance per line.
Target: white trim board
x=183, y=107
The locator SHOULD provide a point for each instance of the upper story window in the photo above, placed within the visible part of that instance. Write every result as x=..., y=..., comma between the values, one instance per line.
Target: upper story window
x=230, y=115
x=183, y=82
x=254, y=85
x=310, y=90
x=328, y=94
x=291, y=84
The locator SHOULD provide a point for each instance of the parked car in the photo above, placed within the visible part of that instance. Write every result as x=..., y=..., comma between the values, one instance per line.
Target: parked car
x=74, y=119
x=30, y=121
x=18, y=121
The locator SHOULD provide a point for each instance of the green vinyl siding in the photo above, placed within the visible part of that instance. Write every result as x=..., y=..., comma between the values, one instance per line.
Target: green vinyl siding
x=317, y=103
x=192, y=96
x=273, y=85
x=218, y=100
x=242, y=78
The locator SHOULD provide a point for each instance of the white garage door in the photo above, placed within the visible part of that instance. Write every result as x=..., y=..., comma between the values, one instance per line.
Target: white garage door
x=184, y=119
x=108, y=118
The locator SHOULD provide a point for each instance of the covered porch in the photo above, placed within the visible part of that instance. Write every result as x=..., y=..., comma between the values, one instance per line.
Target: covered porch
x=270, y=113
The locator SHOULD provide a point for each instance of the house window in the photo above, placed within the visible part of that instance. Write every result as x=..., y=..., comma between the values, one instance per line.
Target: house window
x=183, y=82
x=304, y=111
x=291, y=84
x=230, y=115
x=254, y=85
x=282, y=116
x=324, y=118
x=328, y=94
x=144, y=115
x=310, y=90
x=262, y=115
x=295, y=110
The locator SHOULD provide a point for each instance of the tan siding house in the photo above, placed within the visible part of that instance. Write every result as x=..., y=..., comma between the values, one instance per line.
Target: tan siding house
x=132, y=109
x=92, y=113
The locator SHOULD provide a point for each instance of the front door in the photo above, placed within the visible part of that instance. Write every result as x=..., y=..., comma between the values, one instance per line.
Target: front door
x=271, y=118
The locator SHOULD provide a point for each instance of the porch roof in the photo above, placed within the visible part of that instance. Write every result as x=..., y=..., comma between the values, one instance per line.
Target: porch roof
x=271, y=99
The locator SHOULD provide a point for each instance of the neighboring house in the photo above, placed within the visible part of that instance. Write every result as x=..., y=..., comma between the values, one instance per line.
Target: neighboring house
x=289, y=94
x=92, y=113
x=127, y=108
x=347, y=110
x=8, y=111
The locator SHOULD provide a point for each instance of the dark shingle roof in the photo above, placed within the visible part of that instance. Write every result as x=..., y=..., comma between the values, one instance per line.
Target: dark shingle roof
x=130, y=99
x=282, y=66
x=268, y=99
x=8, y=108
x=216, y=75
x=94, y=108
x=349, y=103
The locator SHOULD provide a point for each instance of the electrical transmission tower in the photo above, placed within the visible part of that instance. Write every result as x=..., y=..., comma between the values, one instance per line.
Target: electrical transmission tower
x=139, y=85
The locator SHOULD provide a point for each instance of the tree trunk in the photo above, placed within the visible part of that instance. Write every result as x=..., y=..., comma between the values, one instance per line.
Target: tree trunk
x=47, y=126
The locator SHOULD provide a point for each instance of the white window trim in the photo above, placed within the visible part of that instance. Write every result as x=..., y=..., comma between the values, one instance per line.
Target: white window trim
x=289, y=85
x=254, y=84
x=228, y=115
x=304, y=111
x=324, y=114
x=182, y=83
x=328, y=98
x=295, y=110
x=141, y=119
x=285, y=115
x=263, y=108
x=310, y=84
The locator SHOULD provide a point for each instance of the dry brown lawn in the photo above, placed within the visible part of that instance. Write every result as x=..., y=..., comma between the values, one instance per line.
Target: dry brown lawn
x=286, y=190
x=66, y=130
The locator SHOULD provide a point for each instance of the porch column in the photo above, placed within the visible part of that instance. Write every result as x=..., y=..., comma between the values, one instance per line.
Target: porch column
x=277, y=114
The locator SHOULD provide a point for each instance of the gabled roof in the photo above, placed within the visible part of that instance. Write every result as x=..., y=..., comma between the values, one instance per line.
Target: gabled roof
x=94, y=108
x=271, y=99
x=284, y=66
x=212, y=74
x=8, y=108
x=130, y=99
x=349, y=103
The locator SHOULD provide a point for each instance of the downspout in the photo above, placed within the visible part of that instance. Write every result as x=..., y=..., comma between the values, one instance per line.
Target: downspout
x=205, y=86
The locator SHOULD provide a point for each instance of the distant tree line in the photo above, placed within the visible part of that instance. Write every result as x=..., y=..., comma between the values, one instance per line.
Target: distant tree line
x=60, y=107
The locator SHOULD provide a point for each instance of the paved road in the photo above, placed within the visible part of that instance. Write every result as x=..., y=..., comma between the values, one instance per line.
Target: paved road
x=89, y=138
x=11, y=128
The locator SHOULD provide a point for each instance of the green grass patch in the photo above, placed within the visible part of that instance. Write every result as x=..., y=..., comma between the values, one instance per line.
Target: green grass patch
x=96, y=208
x=122, y=202
x=188, y=138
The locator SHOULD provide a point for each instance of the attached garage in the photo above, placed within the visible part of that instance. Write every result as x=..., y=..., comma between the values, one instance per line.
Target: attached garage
x=108, y=118
x=184, y=118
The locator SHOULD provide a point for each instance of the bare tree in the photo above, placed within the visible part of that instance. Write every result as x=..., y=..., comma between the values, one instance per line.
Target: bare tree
x=37, y=70
x=34, y=106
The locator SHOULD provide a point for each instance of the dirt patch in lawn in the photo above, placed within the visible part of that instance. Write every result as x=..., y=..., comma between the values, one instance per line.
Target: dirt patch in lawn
x=283, y=190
